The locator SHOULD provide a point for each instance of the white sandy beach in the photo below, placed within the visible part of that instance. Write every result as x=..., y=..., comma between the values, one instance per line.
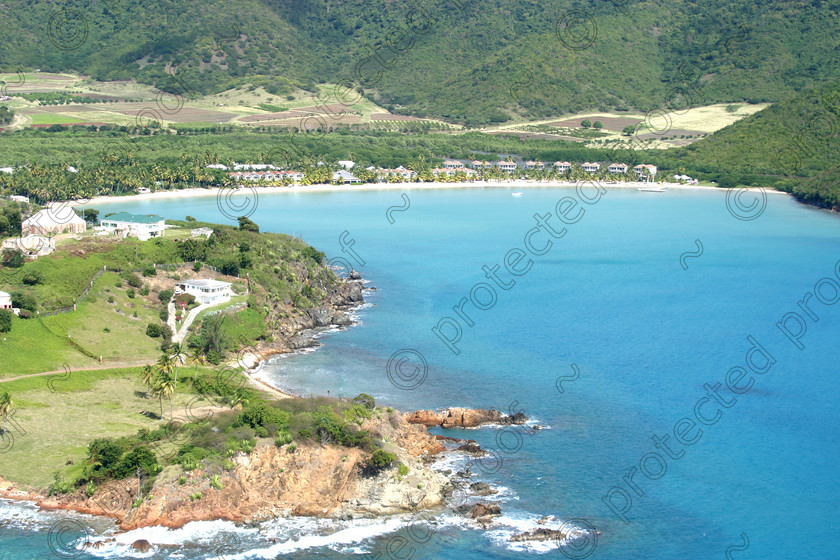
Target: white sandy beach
x=250, y=188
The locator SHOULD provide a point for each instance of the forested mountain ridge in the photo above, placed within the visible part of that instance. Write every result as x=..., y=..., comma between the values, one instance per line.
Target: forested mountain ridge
x=474, y=62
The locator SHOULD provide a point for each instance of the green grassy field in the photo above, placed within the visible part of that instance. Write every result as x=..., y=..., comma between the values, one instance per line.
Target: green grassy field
x=57, y=416
x=35, y=345
x=52, y=118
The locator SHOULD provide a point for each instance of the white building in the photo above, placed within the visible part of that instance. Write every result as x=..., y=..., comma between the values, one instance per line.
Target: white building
x=562, y=166
x=345, y=176
x=125, y=224
x=507, y=165
x=53, y=220
x=346, y=164
x=205, y=291
x=645, y=171
x=33, y=246
x=618, y=168
x=5, y=301
x=591, y=167
x=18, y=198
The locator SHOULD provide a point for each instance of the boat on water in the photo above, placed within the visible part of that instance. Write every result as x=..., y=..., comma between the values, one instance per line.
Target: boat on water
x=516, y=194
x=652, y=188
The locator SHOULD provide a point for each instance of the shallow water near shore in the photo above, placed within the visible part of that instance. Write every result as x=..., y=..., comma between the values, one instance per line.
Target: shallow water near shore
x=606, y=341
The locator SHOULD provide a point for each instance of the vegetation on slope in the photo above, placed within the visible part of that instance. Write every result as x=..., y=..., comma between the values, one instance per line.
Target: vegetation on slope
x=475, y=62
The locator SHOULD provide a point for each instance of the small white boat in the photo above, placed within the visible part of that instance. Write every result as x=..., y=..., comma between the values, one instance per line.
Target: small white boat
x=652, y=189
x=516, y=194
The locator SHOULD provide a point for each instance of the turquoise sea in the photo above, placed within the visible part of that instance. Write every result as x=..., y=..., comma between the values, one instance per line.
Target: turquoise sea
x=606, y=341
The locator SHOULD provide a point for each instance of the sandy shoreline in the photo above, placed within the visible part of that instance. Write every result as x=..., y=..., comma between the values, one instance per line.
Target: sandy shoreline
x=249, y=188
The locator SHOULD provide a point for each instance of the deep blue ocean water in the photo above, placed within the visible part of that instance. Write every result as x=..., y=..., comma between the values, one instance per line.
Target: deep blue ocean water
x=606, y=341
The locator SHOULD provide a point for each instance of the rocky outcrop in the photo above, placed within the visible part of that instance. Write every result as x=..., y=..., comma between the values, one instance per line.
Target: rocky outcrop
x=309, y=480
x=464, y=418
x=539, y=535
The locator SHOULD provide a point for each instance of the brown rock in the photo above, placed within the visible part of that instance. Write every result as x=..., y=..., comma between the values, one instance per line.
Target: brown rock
x=464, y=418
x=485, y=510
x=142, y=545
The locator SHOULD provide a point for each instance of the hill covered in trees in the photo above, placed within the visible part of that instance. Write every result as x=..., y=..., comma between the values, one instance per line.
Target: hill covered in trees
x=476, y=62
x=792, y=146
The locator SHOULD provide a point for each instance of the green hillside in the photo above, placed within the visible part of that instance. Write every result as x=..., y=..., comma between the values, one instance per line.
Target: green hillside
x=476, y=62
x=792, y=146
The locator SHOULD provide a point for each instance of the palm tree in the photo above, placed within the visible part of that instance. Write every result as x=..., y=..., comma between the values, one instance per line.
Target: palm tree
x=163, y=386
x=178, y=357
x=6, y=408
x=147, y=375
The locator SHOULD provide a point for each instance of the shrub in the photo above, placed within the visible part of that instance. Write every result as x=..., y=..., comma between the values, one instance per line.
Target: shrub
x=260, y=431
x=182, y=480
x=197, y=266
x=130, y=293
x=6, y=320
x=139, y=457
x=106, y=329
x=380, y=460
x=283, y=438
x=365, y=400
x=196, y=496
x=165, y=295
x=216, y=482
x=292, y=448
x=90, y=489
x=164, y=315
x=32, y=278
x=144, y=291
x=259, y=414
x=110, y=299
x=403, y=469
x=24, y=301
x=149, y=271
x=154, y=330
x=132, y=279
x=25, y=314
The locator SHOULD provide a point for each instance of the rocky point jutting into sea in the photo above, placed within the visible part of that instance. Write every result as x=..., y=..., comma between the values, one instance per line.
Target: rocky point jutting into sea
x=312, y=479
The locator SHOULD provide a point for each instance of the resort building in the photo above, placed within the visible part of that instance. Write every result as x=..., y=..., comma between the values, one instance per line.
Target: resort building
x=141, y=226
x=18, y=198
x=278, y=175
x=562, y=166
x=205, y=291
x=345, y=177
x=346, y=164
x=645, y=171
x=507, y=166
x=591, y=167
x=33, y=246
x=453, y=164
x=534, y=165
x=53, y=220
x=618, y=168
x=5, y=301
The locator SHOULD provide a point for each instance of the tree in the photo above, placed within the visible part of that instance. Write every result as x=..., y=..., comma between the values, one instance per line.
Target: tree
x=13, y=258
x=163, y=386
x=598, y=125
x=147, y=375
x=585, y=123
x=7, y=406
x=90, y=215
x=6, y=320
x=247, y=225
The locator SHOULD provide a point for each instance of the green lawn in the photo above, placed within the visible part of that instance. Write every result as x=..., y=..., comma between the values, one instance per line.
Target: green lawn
x=52, y=427
x=35, y=345
x=53, y=118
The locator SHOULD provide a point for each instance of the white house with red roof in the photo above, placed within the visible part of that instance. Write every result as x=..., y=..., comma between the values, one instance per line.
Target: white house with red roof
x=618, y=168
x=591, y=167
